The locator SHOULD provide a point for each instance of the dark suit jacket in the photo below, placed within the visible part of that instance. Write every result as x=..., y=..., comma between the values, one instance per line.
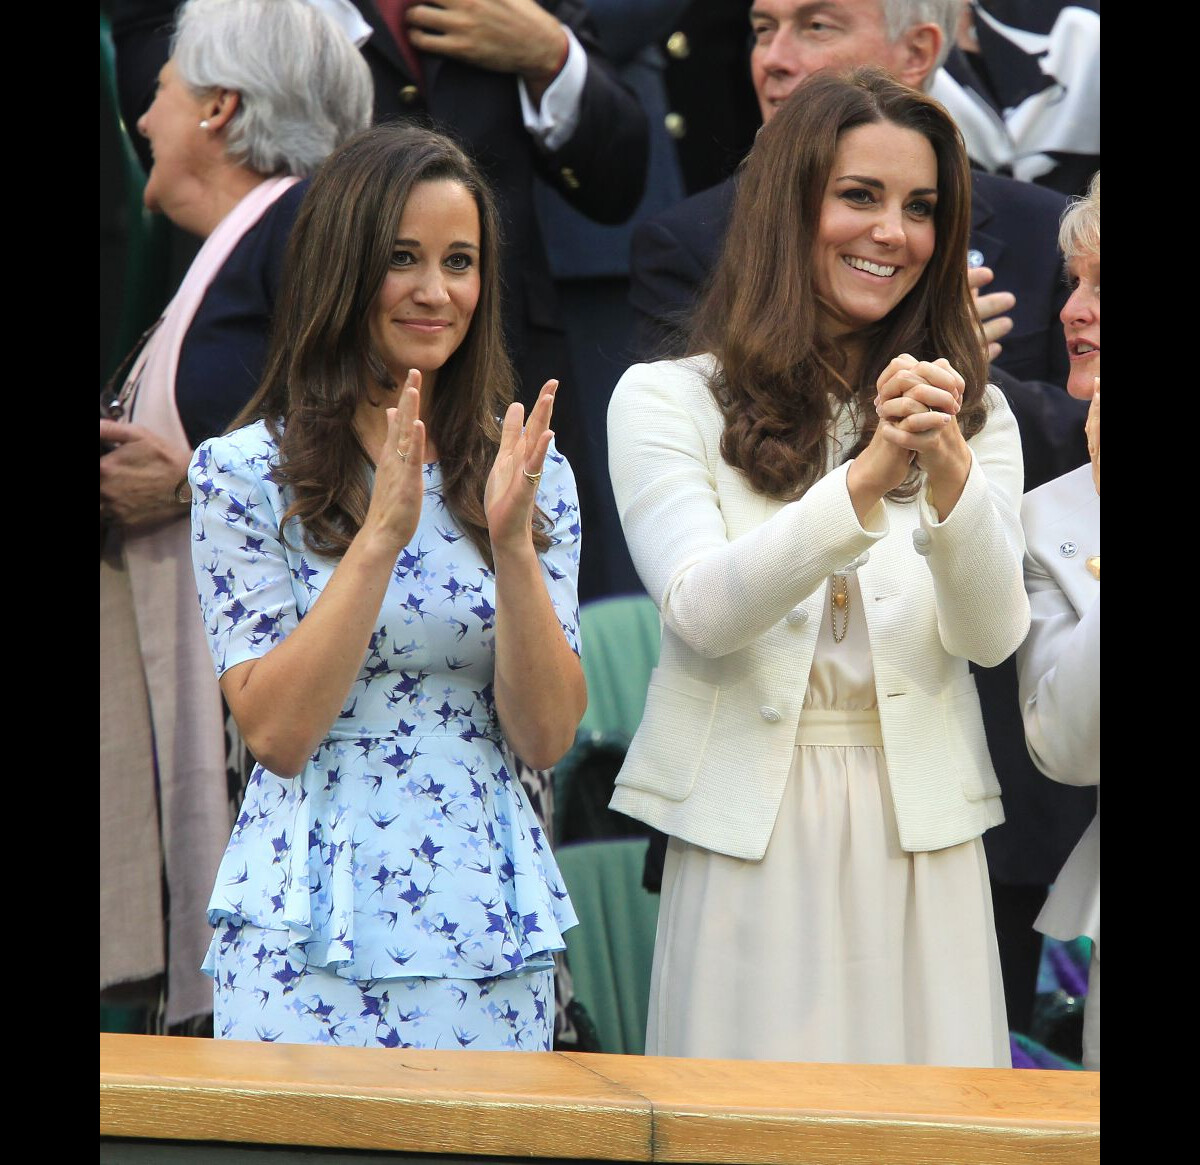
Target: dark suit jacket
x=601, y=171
x=1015, y=227
x=223, y=353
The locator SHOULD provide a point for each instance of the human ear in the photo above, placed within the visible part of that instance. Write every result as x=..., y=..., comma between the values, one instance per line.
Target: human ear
x=918, y=50
x=221, y=107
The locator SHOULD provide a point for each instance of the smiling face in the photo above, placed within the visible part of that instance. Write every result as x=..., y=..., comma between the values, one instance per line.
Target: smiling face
x=172, y=127
x=424, y=308
x=876, y=234
x=1081, y=325
x=795, y=38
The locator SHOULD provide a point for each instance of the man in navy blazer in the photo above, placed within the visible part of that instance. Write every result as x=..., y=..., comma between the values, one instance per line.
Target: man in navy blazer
x=1015, y=236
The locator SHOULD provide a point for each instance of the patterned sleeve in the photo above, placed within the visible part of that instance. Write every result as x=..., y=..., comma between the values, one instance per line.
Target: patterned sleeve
x=559, y=500
x=242, y=572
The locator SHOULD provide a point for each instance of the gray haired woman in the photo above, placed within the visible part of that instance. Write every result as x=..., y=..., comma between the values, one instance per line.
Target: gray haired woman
x=255, y=95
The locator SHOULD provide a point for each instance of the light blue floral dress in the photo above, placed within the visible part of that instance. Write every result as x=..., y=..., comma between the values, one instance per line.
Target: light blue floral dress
x=399, y=891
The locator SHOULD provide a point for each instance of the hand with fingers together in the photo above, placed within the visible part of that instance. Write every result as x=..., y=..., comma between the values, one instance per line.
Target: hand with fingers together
x=512, y=485
x=395, y=507
x=506, y=36
x=993, y=310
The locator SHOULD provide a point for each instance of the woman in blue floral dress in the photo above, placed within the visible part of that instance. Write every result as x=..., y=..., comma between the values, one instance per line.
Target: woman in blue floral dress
x=386, y=560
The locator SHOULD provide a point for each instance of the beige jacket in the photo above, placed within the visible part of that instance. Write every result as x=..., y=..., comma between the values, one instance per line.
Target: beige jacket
x=741, y=583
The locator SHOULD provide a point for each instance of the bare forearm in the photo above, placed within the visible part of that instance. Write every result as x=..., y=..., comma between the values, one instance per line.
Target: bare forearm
x=285, y=702
x=539, y=686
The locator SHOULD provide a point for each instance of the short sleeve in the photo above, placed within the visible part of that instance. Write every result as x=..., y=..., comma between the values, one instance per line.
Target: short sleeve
x=243, y=577
x=559, y=500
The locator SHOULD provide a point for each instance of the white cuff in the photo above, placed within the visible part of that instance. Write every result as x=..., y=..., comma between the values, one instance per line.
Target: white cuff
x=555, y=121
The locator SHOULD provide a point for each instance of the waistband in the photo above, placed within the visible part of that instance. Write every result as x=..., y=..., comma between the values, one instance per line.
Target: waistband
x=382, y=735
x=822, y=727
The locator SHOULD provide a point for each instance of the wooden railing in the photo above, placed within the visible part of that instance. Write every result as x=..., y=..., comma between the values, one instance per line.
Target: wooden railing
x=591, y=1106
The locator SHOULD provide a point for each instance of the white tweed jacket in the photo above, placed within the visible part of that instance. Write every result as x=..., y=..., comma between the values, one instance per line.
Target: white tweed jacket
x=741, y=583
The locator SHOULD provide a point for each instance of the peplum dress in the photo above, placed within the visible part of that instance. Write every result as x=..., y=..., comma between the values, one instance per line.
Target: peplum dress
x=838, y=946
x=399, y=891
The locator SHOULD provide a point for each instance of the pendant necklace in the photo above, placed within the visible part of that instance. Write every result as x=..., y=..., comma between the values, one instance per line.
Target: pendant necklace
x=839, y=607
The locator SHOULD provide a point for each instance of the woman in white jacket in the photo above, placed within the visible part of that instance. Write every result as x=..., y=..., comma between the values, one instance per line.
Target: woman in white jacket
x=1059, y=664
x=822, y=500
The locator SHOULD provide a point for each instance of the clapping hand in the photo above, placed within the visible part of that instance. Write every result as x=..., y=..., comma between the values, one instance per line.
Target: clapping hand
x=395, y=507
x=512, y=485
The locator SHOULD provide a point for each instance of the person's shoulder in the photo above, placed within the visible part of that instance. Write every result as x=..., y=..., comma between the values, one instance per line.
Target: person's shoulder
x=288, y=203
x=1067, y=507
x=706, y=208
x=281, y=214
x=1063, y=494
x=684, y=379
x=994, y=397
x=250, y=446
x=999, y=191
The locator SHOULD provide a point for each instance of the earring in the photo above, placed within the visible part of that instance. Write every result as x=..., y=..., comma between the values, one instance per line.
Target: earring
x=204, y=124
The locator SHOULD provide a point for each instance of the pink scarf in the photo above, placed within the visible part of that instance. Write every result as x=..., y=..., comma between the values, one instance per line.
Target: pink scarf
x=185, y=699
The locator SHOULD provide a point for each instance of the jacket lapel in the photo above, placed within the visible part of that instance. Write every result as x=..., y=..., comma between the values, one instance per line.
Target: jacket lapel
x=989, y=245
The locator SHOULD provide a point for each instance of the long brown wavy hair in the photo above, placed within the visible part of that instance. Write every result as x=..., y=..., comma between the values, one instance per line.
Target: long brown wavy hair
x=321, y=361
x=761, y=315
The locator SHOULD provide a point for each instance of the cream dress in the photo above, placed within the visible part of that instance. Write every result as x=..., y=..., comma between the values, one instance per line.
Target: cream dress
x=837, y=946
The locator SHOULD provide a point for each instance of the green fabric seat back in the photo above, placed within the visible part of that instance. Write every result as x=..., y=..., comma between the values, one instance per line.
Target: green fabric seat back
x=620, y=650
x=611, y=950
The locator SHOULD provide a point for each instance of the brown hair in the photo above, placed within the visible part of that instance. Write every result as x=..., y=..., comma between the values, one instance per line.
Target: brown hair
x=321, y=361
x=761, y=315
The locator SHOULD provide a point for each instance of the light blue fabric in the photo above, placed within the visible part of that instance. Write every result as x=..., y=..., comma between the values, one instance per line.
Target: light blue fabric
x=263, y=991
x=405, y=848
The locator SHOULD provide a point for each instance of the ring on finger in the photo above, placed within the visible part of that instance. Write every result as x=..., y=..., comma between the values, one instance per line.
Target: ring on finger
x=403, y=454
x=534, y=478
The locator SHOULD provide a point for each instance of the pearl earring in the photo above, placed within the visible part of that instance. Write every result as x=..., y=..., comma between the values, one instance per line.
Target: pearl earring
x=204, y=124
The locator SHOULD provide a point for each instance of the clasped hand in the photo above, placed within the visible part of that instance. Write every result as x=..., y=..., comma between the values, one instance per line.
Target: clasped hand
x=917, y=403
x=138, y=475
